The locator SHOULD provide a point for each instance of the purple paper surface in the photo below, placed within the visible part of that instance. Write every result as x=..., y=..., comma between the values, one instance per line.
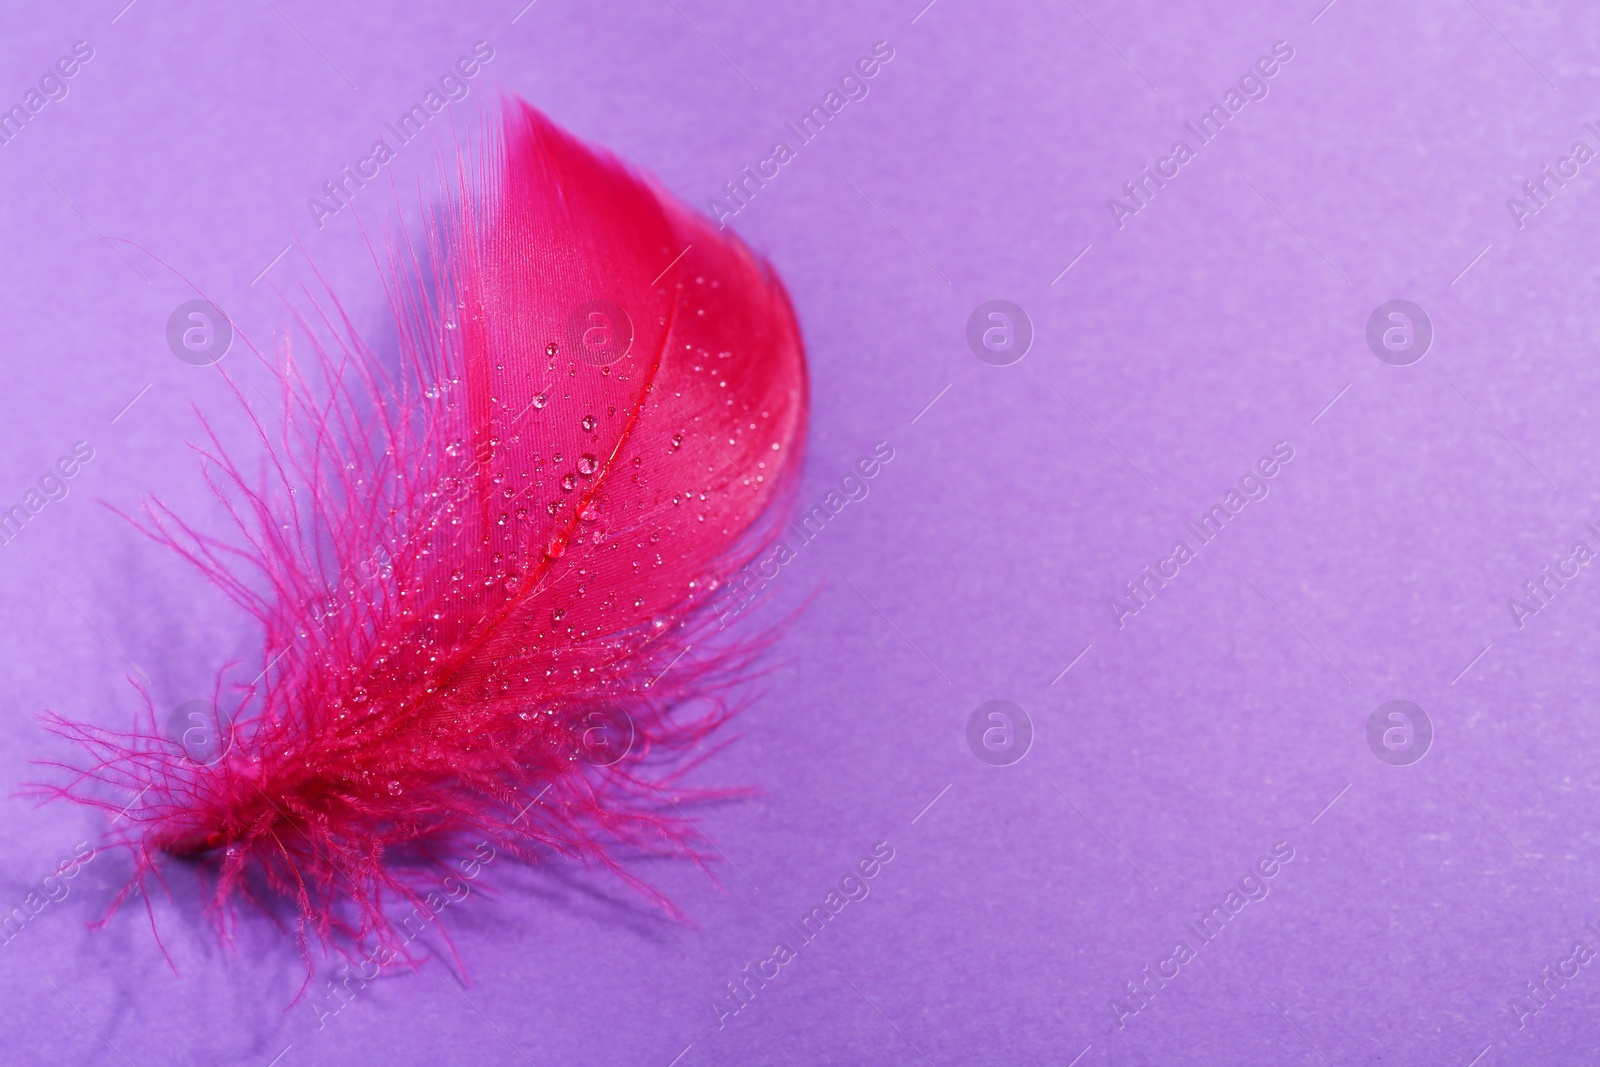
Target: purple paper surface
x=1196, y=322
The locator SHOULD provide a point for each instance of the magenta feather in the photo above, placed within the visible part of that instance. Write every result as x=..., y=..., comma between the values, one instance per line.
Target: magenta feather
x=478, y=574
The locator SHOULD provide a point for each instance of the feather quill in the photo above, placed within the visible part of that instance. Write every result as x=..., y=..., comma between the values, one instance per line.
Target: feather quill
x=477, y=570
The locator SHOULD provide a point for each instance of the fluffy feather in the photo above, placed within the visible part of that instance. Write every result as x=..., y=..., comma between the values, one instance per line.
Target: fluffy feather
x=476, y=572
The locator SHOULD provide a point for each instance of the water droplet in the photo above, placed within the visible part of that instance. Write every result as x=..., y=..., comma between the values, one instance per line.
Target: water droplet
x=539, y=400
x=569, y=481
x=394, y=789
x=589, y=422
x=556, y=549
x=677, y=439
x=551, y=349
x=588, y=464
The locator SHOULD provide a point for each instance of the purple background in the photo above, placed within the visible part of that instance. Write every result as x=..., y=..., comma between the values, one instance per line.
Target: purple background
x=1220, y=721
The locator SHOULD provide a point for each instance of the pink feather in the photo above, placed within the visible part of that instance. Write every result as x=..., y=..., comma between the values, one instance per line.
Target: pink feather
x=477, y=574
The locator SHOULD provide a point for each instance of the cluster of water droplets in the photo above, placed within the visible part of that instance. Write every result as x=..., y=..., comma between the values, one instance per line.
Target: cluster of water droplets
x=536, y=477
